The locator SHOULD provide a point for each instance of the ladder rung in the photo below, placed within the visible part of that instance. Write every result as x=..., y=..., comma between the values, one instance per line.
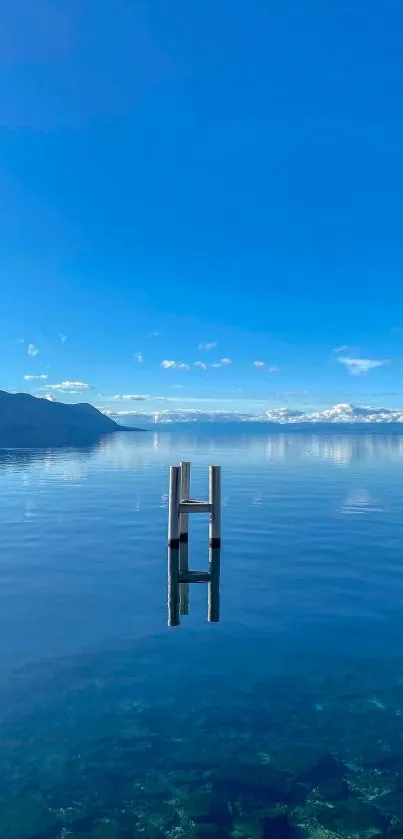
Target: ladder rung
x=194, y=576
x=195, y=507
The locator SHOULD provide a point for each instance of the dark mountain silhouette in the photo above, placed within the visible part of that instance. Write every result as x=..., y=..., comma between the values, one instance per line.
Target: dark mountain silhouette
x=27, y=421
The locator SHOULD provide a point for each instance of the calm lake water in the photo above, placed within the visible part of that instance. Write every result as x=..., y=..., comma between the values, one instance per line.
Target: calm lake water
x=285, y=719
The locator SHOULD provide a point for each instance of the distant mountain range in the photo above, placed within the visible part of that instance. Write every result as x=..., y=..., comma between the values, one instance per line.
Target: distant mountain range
x=27, y=421
x=343, y=414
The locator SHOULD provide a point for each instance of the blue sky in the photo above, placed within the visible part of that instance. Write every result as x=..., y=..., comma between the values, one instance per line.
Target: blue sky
x=181, y=174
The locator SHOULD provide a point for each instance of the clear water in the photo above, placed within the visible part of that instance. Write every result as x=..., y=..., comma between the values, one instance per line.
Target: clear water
x=285, y=719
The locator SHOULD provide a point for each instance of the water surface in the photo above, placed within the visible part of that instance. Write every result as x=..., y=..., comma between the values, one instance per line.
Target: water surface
x=285, y=717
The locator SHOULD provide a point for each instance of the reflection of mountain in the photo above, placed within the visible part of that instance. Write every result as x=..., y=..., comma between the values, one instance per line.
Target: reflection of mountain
x=252, y=445
x=20, y=458
x=26, y=421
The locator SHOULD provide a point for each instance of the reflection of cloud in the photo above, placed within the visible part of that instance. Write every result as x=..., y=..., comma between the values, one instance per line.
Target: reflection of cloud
x=259, y=500
x=338, y=450
x=359, y=502
x=30, y=511
x=55, y=464
x=295, y=450
x=276, y=447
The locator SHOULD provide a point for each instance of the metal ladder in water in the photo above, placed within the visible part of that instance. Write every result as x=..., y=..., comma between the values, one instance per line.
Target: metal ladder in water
x=179, y=575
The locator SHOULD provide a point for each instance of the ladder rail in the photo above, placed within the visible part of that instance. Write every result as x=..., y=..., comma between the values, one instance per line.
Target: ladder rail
x=180, y=506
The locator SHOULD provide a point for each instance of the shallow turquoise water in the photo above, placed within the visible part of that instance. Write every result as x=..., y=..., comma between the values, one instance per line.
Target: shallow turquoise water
x=284, y=719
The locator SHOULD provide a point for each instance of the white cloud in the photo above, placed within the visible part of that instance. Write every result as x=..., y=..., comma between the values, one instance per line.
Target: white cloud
x=154, y=334
x=186, y=415
x=209, y=346
x=204, y=366
x=341, y=414
x=63, y=338
x=288, y=393
x=70, y=387
x=174, y=365
x=27, y=376
x=221, y=363
x=139, y=357
x=179, y=387
x=356, y=366
x=49, y=397
x=341, y=348
x=32, y=349
x=268, y=367
x=135, y=397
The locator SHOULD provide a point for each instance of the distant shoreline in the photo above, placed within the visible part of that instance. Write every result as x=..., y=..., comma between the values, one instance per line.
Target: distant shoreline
x=275, y=428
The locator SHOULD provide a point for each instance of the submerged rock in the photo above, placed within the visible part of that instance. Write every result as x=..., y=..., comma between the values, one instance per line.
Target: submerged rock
x=334, y=789
x=298, y=794
x=207, y=829
x=106, y=830
x=352, y=817
x=203, y=830
x=328, y=767
x=276, y=826
x=22, y=818
x=391, y=803
x=207, y=807
x=247, y=829
x=256, y=782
